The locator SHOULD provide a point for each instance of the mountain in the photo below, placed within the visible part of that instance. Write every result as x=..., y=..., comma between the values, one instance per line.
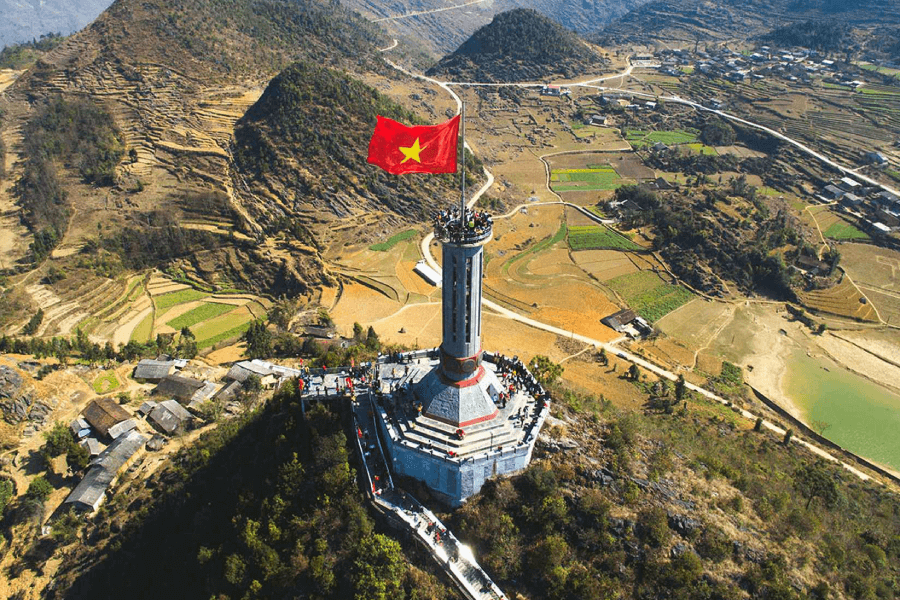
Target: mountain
x=303, y=146
x=691, y=20
x=168, y=80
x=444, y=30
x=518, y=45
x=25, y=20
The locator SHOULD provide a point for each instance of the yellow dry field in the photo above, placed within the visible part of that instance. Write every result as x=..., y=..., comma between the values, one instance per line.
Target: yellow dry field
x=157, y=288
x=412, y=281
x=546, y=266
x=361, y=304
x=872, y=266
x=576, y=218
x=697, y=323
x=328, y=296
x=605, y=264
x=590, y=377
x=669, y=352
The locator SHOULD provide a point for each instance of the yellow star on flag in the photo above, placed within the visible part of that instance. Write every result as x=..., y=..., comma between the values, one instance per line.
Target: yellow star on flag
x=411, y=152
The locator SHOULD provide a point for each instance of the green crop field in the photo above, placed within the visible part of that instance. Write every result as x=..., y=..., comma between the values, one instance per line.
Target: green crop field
x=703, y=149
x=106, y=382
x=203, y=312
x=171, y=299
x=394, y=240
x=670, y=138
x=225, y=335
x=594, y=237
x=842, y=230
x=216, y=327
x=591, y=179
x=142, y=332
x=648, y=295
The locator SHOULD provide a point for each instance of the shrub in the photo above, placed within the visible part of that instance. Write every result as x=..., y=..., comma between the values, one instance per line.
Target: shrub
x=39, y=488
x=713, y=544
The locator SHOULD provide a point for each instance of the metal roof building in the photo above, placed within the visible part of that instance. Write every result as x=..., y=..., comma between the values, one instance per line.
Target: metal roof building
x=90, y=493
x=154, y=370
x=170, y=417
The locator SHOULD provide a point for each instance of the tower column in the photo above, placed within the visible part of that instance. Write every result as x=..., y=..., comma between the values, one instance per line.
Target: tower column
x=461, y=345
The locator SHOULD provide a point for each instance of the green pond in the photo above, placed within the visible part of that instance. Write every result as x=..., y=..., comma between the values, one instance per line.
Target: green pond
x=862, y=416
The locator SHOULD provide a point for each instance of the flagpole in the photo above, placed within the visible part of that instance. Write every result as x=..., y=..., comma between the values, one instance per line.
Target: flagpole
x=462, y=170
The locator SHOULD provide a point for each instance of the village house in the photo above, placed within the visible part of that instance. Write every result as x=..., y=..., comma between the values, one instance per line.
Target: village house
x=154, y=370
x=243, y=370
x=91, y=491
x=107, y=418
x=186, y=390
x=170, y=417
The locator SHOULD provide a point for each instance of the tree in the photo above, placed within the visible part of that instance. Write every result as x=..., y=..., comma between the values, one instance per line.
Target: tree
x=372, y=341
x=39, y=488
x=604, y=360
x=680, y=388
x=377, y=569
x=357, y=332
x=813, y=480
x=634, y=372
x=544, y=370
x=259, y=340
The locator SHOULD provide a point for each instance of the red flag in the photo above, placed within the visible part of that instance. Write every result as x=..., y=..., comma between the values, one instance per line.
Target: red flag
x=399, y=149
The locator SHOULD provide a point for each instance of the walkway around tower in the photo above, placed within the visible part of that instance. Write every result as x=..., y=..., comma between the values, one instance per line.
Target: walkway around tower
x=398, y=507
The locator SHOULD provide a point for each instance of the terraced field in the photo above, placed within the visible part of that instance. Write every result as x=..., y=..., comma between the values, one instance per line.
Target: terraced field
x=843, y=300
x=648, y=295
x=597, y=237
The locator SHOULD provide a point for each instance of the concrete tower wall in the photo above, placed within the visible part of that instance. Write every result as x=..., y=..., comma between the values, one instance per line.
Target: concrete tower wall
x=462, y=271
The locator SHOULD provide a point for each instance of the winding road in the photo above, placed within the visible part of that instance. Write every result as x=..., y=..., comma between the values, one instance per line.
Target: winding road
x=610, y=348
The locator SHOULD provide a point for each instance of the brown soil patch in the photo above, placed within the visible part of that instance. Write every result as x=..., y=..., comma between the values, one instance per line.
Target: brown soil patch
x=605, y=264
x=361, y=304
x=411, y=280
x=228, y=354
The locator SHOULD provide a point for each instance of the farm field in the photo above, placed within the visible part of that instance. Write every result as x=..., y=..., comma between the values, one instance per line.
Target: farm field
x=597, y=237
x=648, y=295
x=394, y=240
x=203, y=312
x=842, y=230
x=106, y=382
x=642, y=139
x=871, y=265
x=596, y=178
x=842, y=299
x=697, y=322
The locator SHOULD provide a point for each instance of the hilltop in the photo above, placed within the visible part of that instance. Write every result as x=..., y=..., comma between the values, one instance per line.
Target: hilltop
x=444, y=31
x=691, y=20
x=303, y=145
x=519, y=45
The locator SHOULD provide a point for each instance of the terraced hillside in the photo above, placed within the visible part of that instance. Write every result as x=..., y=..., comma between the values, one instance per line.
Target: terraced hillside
x=175, y=97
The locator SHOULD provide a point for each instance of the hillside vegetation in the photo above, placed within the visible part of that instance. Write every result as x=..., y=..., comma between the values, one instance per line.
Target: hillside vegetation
x=682, y=502
x=306, y=141
x=263, y=506
x=690, y=20
x=519, y=45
